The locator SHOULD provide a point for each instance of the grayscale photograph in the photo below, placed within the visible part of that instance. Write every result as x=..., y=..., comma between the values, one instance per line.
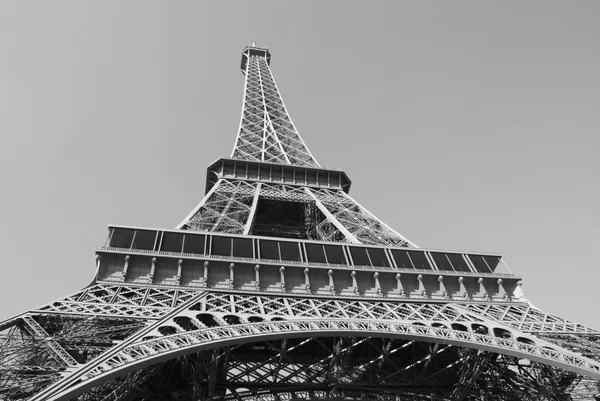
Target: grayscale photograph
x=416, y=221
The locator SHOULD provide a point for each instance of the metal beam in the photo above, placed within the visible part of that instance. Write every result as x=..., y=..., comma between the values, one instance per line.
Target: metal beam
x=250, y=220
x=37, y=331
x=199, y=206
x=349, y=236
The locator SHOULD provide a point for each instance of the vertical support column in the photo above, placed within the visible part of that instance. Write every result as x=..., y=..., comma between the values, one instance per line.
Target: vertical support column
x=501, y=290
x=443, y=287
x=354, y=283
x=282, y=273
x=422, y=291
x=306, y=281
x=257, y=277
x=152, y=269
x=399, y=287
x=331, y=284
x=125, y=267
x=98, y=258
x=231, y=275
x=248, y=226
x=179, y=270
x=377, y=284
x=486, y=296
x=462, y=291
x=204, y=282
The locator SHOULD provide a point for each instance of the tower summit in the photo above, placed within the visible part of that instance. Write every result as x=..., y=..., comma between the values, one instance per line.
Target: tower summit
x=273, y=186
x=266, y=130
x=279, y=285
x=254, y=51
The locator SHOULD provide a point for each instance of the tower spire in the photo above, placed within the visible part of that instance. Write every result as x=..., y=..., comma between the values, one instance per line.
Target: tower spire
x=272, y=185
x=266, y=131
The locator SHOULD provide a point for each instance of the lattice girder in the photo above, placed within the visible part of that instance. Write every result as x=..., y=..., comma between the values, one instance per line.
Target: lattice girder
x=36, y=350
x=210, y=321
x=107, y=300
x=152, y=303
x=225, y=208
x=164, y=348
x=267, y=134
x=412, y=321
x=266, y=131
x=526, y=318
x=331, y=383
x=228, y=208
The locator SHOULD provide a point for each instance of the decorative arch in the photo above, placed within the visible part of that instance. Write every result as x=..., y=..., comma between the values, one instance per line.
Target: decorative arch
x=148, y=352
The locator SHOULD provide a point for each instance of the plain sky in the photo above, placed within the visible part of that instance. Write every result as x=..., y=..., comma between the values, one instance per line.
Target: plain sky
x=464, y=125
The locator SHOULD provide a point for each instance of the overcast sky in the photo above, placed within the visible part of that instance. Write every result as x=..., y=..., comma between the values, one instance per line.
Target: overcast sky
x=464, y=125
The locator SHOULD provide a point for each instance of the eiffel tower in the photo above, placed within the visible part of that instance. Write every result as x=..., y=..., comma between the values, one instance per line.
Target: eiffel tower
x=280, y=286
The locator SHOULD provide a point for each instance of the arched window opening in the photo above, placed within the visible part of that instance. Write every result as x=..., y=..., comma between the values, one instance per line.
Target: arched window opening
x=502, y=333
x=207, y=319
x=480, y=329
x=459, y=327
x=185, y=323
x=167, y=330
x=525, y=340
x=232, y=319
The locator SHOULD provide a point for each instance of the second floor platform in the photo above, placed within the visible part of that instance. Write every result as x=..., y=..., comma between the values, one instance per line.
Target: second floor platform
x=179, y=258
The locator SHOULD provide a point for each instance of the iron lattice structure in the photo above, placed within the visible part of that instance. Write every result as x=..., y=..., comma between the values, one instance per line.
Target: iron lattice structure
x=280, y=286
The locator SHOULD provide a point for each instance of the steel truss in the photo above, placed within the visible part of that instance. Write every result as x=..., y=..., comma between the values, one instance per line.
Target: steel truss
x=37, y=350
x=266, y=130
x=329, y=215
x=208, y=330
x=145, y=340
x=336, y=367
x=267, y=134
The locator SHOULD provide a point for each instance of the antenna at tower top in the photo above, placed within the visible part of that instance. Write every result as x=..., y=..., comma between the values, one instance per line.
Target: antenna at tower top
x=258, y=46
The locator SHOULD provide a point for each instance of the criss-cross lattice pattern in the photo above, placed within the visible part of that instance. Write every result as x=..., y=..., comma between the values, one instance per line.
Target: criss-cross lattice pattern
x=190, y=320
x=197, y=339
x=120, y=300
x=524, y=317
x=284, y=192
x=225, y=209
x=329, y=215
x=358, y=221
x=342, y=368
x=37, y=350
x=266, y=130
x=267, y=134
x=300, y=308
x=219, y=316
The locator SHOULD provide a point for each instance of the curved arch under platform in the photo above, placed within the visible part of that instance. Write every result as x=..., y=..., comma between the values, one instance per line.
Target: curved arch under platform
x=56, y=354
x=344, y=368
x=149, y=352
